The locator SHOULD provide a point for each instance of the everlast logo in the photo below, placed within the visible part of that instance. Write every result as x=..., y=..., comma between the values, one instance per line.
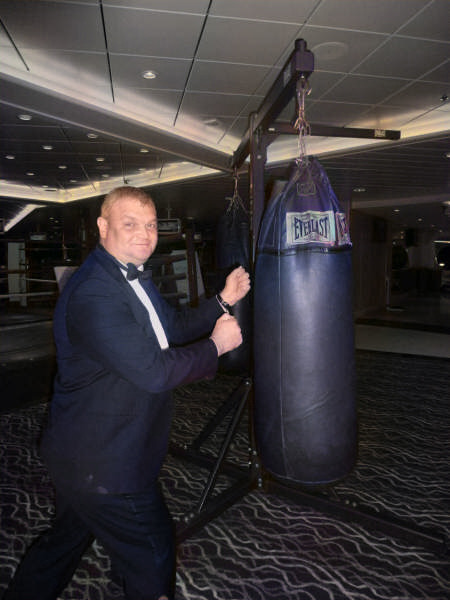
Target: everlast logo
x=310, y=226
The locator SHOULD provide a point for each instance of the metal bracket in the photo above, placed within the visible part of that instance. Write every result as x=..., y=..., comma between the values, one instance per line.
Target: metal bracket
x=300, y=64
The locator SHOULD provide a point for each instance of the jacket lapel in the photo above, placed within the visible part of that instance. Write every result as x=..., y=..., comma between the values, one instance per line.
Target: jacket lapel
x=110, y=265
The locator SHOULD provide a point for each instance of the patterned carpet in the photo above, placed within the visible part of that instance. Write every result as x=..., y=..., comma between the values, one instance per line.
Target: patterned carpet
x=267, y=546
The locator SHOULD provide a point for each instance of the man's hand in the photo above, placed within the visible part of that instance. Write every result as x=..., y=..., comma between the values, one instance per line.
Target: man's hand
x=236, y=287
x=226, y=334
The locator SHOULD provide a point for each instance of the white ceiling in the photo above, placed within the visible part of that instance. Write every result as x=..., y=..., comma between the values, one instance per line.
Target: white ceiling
x=75, y=67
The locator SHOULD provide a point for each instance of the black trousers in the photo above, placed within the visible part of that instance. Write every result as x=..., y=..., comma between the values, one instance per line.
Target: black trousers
x=135, y=529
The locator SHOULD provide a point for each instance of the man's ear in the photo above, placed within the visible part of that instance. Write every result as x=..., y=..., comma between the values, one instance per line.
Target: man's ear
x=102, y=225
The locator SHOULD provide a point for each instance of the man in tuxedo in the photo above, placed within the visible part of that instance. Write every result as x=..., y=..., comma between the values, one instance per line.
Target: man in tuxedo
x=121, y=349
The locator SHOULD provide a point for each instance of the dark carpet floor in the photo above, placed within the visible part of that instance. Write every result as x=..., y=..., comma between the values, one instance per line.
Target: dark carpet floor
x=268, y=546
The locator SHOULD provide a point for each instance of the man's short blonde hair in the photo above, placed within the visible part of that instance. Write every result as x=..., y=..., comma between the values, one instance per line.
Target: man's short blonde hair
x=125, y=191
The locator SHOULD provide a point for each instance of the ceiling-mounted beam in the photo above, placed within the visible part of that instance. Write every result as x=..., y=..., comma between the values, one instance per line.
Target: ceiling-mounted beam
x=319, y=129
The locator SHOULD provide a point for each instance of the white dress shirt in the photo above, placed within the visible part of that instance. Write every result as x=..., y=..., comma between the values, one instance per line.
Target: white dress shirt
x=154, y=319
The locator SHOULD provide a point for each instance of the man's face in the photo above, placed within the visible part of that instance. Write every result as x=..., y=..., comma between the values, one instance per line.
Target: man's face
x=130, y=233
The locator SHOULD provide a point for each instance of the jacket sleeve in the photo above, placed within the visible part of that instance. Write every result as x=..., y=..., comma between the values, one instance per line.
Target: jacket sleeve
x=186, y=324
x=103, y=326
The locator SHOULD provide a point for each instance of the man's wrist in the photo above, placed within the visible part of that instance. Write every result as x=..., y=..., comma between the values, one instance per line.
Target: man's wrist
x=224, y=305
x=217, y=345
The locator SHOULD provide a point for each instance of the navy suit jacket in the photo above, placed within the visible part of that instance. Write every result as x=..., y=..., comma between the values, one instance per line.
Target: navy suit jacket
x=111, y=409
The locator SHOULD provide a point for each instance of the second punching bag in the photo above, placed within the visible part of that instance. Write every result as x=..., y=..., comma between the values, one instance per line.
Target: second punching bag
x=305, y=413
x=233, y=250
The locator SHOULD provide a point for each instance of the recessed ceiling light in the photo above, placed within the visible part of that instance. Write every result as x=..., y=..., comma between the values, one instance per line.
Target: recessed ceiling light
x=396, y=210
x=211, y=122
x=359, y=190
x=62, y=167
x=149, y=74
x=141, y=169
x=100, y=159
x=447, y=155
x=30, y=174
x=105, y=175
x=420, y=219
x=92, y=136
x=25, y=117
x=47, y=147
x=73, y=181
x=143, y=150
x=10, y=156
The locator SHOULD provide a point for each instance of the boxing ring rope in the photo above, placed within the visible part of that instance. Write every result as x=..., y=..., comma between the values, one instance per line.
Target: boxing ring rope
x=26, y=294
x=61, y=276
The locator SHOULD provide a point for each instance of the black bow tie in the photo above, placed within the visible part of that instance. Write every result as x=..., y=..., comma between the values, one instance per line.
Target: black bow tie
x=134, y=273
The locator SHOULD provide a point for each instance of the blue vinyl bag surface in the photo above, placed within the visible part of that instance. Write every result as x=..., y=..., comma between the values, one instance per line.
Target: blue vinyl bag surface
x=304, y=372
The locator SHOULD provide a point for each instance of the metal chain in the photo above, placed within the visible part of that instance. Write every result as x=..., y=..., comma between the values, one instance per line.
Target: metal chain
x=235, y=200
x=301, y=124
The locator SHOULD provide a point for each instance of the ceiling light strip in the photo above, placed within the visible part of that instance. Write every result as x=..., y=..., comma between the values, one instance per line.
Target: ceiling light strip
x=14, y=45
x=192, y=62
x=107, y=51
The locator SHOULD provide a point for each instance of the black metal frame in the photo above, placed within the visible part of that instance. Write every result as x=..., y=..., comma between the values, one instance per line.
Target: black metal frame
x=209, y=506
x=263, y=129
x=261, y=132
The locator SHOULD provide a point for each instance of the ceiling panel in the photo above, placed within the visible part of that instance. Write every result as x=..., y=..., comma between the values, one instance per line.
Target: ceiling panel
x=383, y=16
x=127, y=72
x=16, y=132
x=81, y=134
x=320, y=83
x=364, y=90
x=245, y=41
x=45, y=148
x=386, y=117
x=53, y=25
x=159, y=105
x=206, y=104
x=9, y=54
x=187, y=6
x=95, y=147
x=77, y=69
x=154, y=33
x=431, y=22
x=87, y=74
x=287, y=11
x=335, y=113
x=229, y=78
x=10, y=115
x=398, y=58
x=440, y=74
x=235, y=126
x=422, y=95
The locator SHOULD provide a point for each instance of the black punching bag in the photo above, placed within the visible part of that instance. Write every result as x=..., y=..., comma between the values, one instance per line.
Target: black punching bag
x=305, y=413
x=233, y=250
